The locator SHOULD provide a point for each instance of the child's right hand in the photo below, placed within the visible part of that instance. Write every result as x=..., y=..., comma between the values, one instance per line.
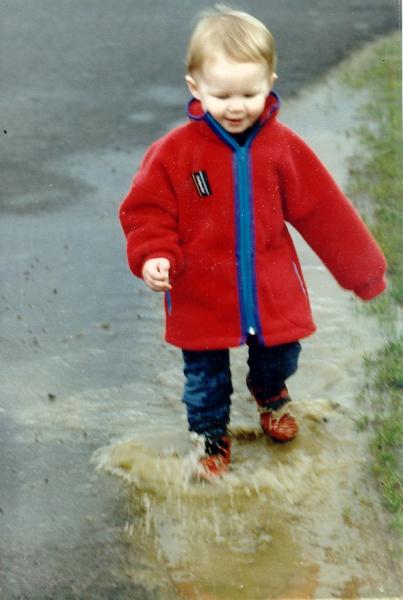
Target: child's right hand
x=156, y=274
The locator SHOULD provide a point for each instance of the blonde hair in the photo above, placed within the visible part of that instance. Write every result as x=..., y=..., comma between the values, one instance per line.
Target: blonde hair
x=241, y=36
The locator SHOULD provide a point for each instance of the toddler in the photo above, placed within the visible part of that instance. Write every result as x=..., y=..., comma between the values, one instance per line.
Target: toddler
x=205, y=222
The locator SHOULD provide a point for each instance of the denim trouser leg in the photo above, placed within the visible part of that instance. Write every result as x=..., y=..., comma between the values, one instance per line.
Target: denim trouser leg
x=207, y=390
x=269, y=367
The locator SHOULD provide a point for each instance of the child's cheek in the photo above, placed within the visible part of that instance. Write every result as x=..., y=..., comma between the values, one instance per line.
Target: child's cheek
x=214, y=107
x=259, y=106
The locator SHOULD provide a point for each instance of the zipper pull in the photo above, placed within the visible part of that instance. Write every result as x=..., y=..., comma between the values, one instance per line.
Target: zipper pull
x=168, y=301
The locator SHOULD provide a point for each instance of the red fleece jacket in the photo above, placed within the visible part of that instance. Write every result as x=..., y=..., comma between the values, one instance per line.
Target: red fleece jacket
x=218, y=211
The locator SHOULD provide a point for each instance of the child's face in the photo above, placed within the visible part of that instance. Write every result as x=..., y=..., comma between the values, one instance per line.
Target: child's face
x=234, y=93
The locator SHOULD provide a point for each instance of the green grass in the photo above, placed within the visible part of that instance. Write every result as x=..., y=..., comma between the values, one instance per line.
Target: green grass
x=385, y=372
x=378, y=178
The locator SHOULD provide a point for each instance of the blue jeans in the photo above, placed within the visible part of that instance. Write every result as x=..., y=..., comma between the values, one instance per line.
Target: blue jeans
x=208, y=386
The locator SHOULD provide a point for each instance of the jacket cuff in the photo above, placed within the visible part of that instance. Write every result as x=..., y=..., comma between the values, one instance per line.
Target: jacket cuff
x=370, y=290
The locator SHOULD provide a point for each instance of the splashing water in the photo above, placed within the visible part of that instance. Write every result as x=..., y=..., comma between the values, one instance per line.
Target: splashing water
x=265, y=530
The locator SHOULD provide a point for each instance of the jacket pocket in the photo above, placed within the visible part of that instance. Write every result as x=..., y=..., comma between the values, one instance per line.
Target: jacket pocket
x=300, y=280
x=286, y=288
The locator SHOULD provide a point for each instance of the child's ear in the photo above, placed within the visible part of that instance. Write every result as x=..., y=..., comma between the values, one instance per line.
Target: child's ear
x=272, y=80
x=192, y=85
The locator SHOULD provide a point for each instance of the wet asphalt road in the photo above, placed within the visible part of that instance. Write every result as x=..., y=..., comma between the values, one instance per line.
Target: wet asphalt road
x=74, y=75
x=85, y=86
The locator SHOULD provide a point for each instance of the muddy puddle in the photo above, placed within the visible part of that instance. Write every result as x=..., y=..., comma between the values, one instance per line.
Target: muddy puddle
x=294, y=521
x=265, y=530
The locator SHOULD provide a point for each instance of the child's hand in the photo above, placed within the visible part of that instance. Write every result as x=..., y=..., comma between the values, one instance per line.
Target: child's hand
x=156, y=274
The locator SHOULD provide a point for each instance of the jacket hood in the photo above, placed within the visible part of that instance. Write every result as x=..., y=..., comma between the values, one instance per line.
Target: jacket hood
x=195, y=110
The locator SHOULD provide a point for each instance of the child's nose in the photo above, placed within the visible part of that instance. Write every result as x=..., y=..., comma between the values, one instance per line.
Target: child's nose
x=235, y=104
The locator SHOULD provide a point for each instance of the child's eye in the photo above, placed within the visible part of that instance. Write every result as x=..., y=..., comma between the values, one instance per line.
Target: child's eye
x=221, y=96
x=249, y=95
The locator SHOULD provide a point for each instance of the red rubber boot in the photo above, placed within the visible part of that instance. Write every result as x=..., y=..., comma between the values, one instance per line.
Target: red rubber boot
x=216, y=459
x=282, y=428
x=277, y=422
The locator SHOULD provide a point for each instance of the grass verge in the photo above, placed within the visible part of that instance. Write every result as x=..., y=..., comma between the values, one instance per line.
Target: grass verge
x=378, y=178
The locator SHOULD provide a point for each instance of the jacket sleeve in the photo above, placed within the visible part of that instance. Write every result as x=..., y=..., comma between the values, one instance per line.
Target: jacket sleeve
x=149, y=216
x=318, y=209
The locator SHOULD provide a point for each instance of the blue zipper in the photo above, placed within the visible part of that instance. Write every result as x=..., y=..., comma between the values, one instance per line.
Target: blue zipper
x=245, y=242
x=245, y=239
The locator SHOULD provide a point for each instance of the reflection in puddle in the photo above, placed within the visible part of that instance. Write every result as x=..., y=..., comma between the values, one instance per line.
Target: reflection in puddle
x=288, y=521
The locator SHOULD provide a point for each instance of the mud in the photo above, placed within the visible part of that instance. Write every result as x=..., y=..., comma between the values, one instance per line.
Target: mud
x=285, y=520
